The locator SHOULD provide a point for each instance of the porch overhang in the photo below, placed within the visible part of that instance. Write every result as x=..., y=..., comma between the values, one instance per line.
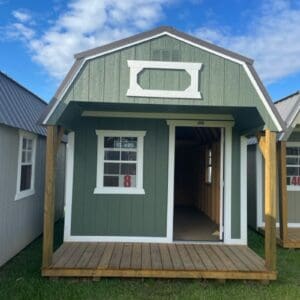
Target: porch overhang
x=247, y=119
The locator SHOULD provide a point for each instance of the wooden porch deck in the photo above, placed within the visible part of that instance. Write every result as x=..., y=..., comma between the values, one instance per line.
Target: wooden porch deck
x=292, y=241
x=157, y=260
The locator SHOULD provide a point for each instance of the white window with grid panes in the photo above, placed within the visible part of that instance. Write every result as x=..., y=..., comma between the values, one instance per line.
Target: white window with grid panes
x=293, y=166
x=26, y=165
x=120, y=162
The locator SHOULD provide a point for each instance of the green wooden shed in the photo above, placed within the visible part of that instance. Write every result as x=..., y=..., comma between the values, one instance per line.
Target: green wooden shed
x=156, y=174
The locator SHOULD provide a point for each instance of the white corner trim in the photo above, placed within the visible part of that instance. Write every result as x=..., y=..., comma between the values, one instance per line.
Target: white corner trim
x=69, y=184
x=26, y=193
x=221, y=220
x=171, y=173
x=100, y=189
x=227, y=184
x=137, y=66
x=243, y=176
x=259, y=188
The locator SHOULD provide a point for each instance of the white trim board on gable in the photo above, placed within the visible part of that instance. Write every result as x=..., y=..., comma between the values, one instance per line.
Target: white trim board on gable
x=137, y=66
x=242, y=63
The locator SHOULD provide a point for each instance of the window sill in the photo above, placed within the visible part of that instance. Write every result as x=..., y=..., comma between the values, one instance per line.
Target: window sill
x=121, y=191
x=293, y=188
x=24, y=194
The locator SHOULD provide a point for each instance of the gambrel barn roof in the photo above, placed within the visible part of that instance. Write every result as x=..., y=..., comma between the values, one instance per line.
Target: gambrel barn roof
x=247, y=64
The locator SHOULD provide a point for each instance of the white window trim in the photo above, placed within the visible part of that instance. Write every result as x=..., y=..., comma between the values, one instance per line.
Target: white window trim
x=100, y=189
x=137, y=66
x=293, y=187
x=31, y=191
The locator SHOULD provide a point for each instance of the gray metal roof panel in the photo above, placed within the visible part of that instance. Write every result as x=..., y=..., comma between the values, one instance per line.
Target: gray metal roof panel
x=19, y=107
x=288, y=107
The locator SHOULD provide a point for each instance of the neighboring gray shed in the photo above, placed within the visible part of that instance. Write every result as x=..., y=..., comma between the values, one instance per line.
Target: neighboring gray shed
x=289, y=110
x=22, y=169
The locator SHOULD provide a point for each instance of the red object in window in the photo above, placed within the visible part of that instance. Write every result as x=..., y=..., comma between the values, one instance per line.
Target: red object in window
x=295, y=180
x=127, y=181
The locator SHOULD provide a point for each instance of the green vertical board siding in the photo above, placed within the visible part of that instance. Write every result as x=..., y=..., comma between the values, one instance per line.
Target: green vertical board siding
x=294, y=137
x=221, y=81
x=97, y=80
x=236, y=186
x=127, y=215
x=216, y=80
x=294, y=206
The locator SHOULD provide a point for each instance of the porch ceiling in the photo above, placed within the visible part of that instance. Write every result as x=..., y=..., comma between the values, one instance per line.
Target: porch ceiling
x=247, y=119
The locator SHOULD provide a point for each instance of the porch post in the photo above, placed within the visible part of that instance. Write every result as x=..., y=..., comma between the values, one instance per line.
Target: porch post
x=270, y=199
x=283, y=218
x=53, y=141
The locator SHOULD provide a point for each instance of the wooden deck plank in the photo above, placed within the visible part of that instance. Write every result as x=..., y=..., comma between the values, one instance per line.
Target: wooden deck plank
x=116, y=256
x=66, y=255
x=224, y=258
x=214, y=258
x=146, y=256
x=186, y=260
x=76, y=256
x=165, y=257
x=205, y=258
x=243, y=259
x=96, y=256
x=175, y=257
x=86, y=256
x=105, y=258
x=158, y=260
x=136, y=261
x=155, y=257
x=253, y=257
x=196, y=259
x=126, y=257
x=237, y=262
x=59, y=252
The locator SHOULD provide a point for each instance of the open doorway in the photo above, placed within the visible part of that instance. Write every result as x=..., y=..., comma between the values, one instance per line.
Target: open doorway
x=197, y=188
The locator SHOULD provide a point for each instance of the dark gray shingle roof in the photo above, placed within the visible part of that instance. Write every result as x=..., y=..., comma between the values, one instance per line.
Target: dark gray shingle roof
x=19, y=107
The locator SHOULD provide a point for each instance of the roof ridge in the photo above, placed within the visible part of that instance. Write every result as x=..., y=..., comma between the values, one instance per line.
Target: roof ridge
x=287, y=97
x=23, y=87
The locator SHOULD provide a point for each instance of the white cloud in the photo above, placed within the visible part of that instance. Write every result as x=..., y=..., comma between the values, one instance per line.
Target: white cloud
x=272, y=39
x=85, y=24
x=21, y=15
x=20, y=31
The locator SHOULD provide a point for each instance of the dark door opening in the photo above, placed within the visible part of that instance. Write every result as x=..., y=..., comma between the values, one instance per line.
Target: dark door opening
x=197, y=193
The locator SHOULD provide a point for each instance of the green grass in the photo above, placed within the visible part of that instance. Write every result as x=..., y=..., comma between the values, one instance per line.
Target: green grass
x=20, y=278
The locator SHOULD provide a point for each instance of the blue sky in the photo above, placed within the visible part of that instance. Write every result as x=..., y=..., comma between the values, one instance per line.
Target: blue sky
x=38, y=38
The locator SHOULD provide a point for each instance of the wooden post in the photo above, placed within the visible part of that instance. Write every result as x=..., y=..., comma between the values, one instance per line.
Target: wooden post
x=270, y=199
x=49, y=200
x=283, y=217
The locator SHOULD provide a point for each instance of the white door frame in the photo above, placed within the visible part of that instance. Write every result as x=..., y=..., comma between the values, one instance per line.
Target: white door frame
x=224, y=180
